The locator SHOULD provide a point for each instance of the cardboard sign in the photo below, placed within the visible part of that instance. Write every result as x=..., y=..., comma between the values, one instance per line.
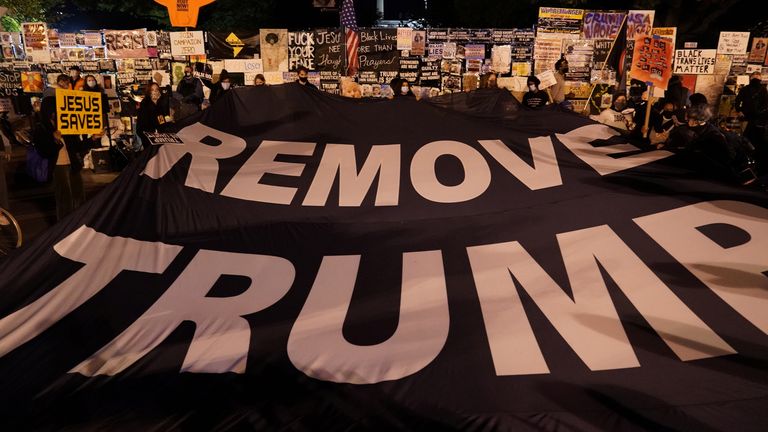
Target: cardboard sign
x=79, y=112
x=652, y=61
x=547, y=79
x=733, y=43
x=183, y=13
x=187, y=43
x=695, y=62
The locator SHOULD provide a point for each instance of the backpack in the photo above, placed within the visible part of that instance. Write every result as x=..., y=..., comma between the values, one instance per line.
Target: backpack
x=37, y=165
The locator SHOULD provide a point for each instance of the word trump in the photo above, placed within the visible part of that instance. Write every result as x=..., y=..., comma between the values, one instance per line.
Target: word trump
x=79, y=112
x=499, y=271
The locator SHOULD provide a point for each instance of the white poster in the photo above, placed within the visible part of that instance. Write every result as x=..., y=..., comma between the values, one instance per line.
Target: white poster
x=733, y=43
x=695, y=62
x=187, y=43
x=501, y=58
x=404, y=38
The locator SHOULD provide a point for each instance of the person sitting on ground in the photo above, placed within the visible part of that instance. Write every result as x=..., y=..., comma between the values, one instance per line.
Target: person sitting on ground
x=535, y=98
x=662, y=123
x=403, y=90
x=489, y=80
x=154, y=111
x=616, y=115
x=259, y=80
x=190, y=90
x=303, y=77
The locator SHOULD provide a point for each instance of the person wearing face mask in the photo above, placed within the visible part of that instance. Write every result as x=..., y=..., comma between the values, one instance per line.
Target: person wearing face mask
x=662, y=123
x=190, y=90
x=535, y=98
x=259, y=80
x=221, y=87
x=616, y=116
x=303, y=78
x=558, y=90
x=78, y=83
x=404, y=90
x=153, y=111
x=91, y=85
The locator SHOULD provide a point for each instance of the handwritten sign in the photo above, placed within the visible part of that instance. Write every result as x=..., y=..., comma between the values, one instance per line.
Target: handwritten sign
x=695, y=62
x=602, y=25
x=733, y=43
x=639, y=23
x=79, y=112
x=187, y=43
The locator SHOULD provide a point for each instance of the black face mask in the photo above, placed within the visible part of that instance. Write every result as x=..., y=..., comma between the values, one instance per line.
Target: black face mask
x=303, y=79
x=564, y=70
x=755, y=82
x=666, y=114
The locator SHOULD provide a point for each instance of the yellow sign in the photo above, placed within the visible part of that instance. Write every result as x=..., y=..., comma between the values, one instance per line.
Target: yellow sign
x=183, y=13
x=79, y=112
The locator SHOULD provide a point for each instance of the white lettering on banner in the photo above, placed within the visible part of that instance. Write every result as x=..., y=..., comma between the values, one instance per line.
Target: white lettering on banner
x=222, y=335
x=317, y=346
x=579, y=142
x=104, y=258
x=737, y=274
x=543, y=174
x=587, y=321
x=477, y=174
x=263, y=162
x=204, y=168
x=383, y=160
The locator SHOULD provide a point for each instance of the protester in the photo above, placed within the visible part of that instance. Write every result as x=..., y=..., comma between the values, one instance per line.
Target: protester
x=91, y=85
x=489, y=80
x=190, y=90
x=221, y=87
x=662, y=123
x=77, y=82
x=403, y=90
x=259, y=80
x=535, y=98
x=303, y=78
x=558, y=90
x=66, y=152
x=616, y=115
x=676, y=93
x=154, y=111
x=697, y=99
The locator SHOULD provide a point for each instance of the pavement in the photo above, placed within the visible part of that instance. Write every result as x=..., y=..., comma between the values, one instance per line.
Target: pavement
x=33, y=204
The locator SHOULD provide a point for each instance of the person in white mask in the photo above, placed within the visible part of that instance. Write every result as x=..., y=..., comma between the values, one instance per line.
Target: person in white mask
x=220, y=88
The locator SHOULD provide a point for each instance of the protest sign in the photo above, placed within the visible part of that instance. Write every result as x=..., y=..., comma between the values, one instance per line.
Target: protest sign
x=666, y=32
x=329, y=51
x=159, y=138
x=32, y=82
x=546, y=53
x=232, y=45
x=502, y=36
x=547, y=79
x=639, y=23
x=695, y=61
x=602, y=25
x=652, y=61
x=301, y=50
x=733, y=43
x=126, y=43
x=579, y=54
x=418, y=43
x=68, y=39
x=378, y=50
x=758, y=51
x=36, y=42
x=274, y=49
x=501, y=58
x=6, y=105
x=474, y=52
x=10, y=83
x=404, y=38
x=79, y=112
x=183, y=13
x=560, y=20
x=187, y=43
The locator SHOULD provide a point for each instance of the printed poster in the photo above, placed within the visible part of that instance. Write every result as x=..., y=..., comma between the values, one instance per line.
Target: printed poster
x=652, y=61
x=418, y=44
x=404, y=38
x=758, y=51
x=274, y=50
x=126, y=44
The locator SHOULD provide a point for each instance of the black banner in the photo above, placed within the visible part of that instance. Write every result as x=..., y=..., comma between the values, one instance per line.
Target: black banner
x=232, y=45
x=315, y=262
x=378, y=50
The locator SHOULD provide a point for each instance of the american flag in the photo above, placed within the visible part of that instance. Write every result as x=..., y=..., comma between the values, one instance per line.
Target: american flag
x=349, y=22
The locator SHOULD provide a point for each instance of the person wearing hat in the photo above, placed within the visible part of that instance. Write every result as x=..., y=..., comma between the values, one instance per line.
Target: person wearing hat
x=78, y=83
x=535, y=98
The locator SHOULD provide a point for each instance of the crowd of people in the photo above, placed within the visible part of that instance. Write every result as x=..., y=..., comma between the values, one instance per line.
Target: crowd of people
x=680, y=122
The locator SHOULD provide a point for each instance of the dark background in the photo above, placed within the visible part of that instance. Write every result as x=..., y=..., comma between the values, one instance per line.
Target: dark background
x=697, y=20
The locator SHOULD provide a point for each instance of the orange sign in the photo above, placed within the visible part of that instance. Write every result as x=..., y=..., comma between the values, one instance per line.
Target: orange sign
x=652, y=60
x=183, y=13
